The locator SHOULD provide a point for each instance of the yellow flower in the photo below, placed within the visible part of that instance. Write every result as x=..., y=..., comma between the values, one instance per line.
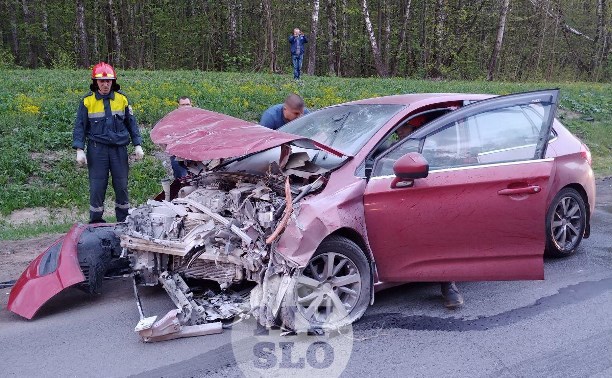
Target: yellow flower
x=27, y=105
x=32, y=109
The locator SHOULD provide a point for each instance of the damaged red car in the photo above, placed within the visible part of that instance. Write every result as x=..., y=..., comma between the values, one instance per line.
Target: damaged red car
x=316, y=215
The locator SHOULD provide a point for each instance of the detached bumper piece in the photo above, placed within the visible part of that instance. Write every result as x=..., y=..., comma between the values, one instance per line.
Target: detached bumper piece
x=169, y=328
x=194, y=316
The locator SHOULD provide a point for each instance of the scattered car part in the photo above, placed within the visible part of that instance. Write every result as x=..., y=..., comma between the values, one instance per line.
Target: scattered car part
x=83, y=256
x=5, y=284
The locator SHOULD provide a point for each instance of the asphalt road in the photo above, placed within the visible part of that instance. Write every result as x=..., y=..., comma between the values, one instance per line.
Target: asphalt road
x=559, y=327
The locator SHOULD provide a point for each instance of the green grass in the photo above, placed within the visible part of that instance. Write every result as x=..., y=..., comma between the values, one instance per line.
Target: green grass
x=27, y=231
x=37, y=110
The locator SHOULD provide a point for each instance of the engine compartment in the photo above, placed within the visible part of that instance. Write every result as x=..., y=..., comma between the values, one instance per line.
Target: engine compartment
x=221, y=226
x=216, y=229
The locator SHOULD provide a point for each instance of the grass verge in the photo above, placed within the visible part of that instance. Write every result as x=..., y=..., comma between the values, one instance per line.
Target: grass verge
x=37, y=110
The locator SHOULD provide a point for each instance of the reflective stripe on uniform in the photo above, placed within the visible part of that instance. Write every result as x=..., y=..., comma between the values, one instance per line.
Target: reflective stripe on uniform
x=102, y=115
x=122, y=205
x=95, y=115
x=96, y=209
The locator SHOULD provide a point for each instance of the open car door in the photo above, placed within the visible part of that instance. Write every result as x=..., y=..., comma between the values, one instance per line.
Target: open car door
x=480, y=212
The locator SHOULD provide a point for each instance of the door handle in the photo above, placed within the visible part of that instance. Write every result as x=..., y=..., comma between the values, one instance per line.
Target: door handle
x=532, y=189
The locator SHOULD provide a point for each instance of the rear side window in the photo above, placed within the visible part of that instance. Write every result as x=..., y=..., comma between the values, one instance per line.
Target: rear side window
x=501, y=135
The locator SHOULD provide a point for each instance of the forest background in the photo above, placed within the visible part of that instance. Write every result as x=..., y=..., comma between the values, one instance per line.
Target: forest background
x=517, y=40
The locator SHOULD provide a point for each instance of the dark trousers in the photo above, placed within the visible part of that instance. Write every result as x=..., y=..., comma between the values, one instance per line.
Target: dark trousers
x=102, y=158
x=297, y=65
x=177, y=169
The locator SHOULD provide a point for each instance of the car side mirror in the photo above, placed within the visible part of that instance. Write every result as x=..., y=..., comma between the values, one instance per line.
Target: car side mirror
x=408, y=168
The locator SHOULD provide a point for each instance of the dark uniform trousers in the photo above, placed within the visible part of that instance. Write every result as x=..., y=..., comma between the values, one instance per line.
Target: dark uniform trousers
x=101, y=159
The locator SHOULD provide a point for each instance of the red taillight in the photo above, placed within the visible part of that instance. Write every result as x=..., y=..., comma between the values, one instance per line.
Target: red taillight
x=586, y=154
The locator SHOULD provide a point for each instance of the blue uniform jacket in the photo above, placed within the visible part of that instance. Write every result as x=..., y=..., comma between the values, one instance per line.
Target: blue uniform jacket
x=114, y=125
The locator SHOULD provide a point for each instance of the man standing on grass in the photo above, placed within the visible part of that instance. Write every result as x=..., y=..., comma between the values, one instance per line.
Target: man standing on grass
x=297, y=41
x=105, y=123
x=277, y=115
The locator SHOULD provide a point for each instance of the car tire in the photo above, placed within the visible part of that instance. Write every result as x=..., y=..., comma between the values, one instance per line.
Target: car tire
x=565, y=223
x=327, y=297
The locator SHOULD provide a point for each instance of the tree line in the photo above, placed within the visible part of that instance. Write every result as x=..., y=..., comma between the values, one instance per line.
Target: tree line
x=515, y=40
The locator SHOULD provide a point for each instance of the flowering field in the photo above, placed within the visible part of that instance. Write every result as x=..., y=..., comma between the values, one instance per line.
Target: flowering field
x=37, y=110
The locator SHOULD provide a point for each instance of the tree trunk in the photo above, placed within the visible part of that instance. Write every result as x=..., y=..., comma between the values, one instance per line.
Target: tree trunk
x=28, y=17
x=501, y=28
x=386, y=36
x=378, y=62
x=343, y=39
x=551, y=67
x=126, y=15
x=96, y=46
x=402, y=39
x=423, y=35
x=600, y=37
x=233, y=26
x=44, y=46
x=115, y=56
x=439, y=26
x=82, y=48
x=544, y=26
x=267, y=7
x=312, y=39
x=332, y=30
x=12, y=11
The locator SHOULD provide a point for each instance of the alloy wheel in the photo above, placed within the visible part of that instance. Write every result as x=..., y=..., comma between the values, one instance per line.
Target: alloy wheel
x=328, y=288
x=567, y=224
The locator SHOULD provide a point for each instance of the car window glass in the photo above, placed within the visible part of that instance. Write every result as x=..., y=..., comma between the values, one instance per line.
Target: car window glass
x=346, y=128
x=384, y=166
x=501, y=135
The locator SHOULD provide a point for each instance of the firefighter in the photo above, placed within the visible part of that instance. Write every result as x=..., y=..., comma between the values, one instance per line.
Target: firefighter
x=106, y=124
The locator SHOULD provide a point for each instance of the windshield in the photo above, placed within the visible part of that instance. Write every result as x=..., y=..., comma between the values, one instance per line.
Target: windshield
x=346, y=128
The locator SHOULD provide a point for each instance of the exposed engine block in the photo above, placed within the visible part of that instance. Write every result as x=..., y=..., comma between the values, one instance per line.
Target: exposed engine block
x=216, y=271
x=217, y=231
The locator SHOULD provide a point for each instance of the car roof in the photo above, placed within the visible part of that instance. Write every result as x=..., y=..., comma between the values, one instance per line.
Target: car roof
x=411, y=98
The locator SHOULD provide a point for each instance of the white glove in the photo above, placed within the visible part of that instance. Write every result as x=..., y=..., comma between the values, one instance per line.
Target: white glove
x=138, y=152
x=81, y=158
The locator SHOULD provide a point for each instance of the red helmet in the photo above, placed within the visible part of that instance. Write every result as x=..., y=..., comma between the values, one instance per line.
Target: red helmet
x=103, y=71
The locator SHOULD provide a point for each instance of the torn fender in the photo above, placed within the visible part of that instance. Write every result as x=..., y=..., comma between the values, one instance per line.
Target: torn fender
x=51, y=272
x=321, y=215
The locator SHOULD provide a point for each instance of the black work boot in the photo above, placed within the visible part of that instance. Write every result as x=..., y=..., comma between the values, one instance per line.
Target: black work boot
x=452, y=296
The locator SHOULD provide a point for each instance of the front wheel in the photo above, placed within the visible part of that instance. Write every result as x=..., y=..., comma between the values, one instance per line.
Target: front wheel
x=332, y=291
x=565, y=223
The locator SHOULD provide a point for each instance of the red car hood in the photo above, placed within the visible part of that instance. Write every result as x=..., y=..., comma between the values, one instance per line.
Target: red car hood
x=199, y=134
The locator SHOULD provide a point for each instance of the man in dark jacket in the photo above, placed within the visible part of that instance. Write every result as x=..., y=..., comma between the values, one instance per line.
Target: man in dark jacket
x=279, y=114
x=106, y=124
x=297, y=41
